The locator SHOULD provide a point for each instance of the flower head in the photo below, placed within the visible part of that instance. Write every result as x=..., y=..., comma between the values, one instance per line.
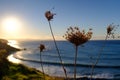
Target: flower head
x=111, y=29
x=77, y=37
x=49, y=15
x=41, y=47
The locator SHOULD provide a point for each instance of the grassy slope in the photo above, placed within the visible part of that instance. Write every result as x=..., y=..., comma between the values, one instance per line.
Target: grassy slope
x=21, y=72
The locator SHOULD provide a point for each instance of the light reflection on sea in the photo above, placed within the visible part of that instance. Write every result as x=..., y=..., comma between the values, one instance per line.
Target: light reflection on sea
x=12, y=59
x=13, y=43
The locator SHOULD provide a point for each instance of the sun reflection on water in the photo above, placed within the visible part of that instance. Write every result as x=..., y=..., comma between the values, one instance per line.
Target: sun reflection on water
x=13, y=43
x=12, y=59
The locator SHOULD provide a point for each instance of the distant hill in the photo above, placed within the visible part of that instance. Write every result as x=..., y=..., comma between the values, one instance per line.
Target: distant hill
x=8, y=48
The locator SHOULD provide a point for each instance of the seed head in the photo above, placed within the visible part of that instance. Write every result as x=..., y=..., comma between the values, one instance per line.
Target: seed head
x=111, y=29
x=77, y=37
x=49, y=15
x=41, y=47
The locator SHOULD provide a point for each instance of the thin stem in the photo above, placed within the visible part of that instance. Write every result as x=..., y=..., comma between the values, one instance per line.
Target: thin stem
x=93, y=66
x=57, y=50
x=42, y=65
x=76, y=50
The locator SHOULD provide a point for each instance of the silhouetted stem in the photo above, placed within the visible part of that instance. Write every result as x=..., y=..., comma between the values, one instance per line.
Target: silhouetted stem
x=42, y=65
x=101, y=49
x=57, y=50
x=76, y=50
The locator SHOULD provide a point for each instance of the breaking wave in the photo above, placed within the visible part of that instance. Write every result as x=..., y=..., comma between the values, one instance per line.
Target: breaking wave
x=66, y=64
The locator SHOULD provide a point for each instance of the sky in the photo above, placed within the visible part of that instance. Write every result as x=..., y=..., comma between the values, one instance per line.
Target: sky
x=28, y=20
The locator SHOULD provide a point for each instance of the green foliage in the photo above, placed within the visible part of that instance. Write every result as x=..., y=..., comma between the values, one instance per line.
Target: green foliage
x=3, y=63
x=3, y=54
x=21, y=72
x=6, y=78
x=11, y=71
x=18, y=76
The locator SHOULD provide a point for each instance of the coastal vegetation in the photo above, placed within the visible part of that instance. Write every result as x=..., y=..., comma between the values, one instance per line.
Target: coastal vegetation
x=77, y=38
x=49, y=16
x=42, y=47
x=109, y=33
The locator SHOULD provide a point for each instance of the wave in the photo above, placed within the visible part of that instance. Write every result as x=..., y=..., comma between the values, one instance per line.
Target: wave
x=66, y=64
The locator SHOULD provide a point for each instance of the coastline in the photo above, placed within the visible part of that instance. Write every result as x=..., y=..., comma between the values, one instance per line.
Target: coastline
x=11, y=71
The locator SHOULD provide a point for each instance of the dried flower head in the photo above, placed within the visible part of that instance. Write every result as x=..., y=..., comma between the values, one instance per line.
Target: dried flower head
x=41, y=47
x=49, y=15
x=111, y=29
x=77, y=37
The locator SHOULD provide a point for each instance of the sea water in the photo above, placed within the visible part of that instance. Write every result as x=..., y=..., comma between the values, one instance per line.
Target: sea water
x=108, y=65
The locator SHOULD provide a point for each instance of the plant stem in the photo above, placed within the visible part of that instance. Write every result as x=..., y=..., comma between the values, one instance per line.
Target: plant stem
x=42, y=65
x=101, y=49
x=57, y=50
x=76, y=50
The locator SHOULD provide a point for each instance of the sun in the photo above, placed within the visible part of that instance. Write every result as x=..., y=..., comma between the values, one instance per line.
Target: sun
x=11, y=25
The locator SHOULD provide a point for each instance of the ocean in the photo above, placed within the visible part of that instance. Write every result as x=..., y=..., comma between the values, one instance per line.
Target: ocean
x=108, y=66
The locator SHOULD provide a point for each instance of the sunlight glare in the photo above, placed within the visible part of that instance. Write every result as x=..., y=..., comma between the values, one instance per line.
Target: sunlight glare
x=12, y=59
x=13, y=43
x=11, y=25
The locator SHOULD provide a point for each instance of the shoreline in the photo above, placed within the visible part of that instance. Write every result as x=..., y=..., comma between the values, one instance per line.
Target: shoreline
x=71, y=78
x=12, y=71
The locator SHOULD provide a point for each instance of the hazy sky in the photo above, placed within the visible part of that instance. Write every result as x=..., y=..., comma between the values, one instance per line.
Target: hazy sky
x=95, y=14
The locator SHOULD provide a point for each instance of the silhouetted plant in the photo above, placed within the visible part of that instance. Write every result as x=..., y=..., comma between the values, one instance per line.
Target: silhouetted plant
x=42, y=47
x=110, y=32
x=77, y=37
x=49, y=17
